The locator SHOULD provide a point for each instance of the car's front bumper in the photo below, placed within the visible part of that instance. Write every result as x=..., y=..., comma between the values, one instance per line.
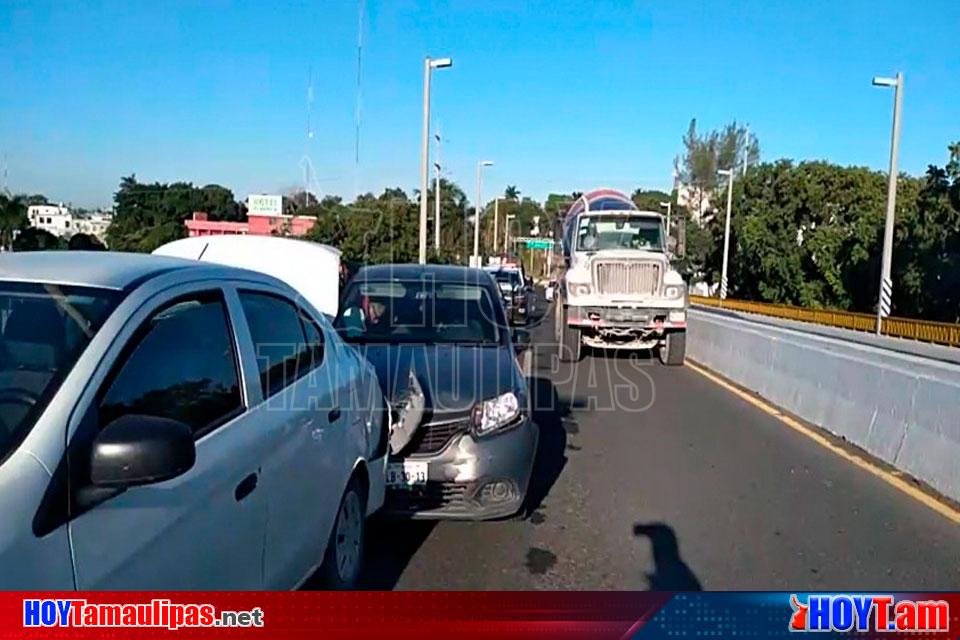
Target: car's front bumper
x=462, y=477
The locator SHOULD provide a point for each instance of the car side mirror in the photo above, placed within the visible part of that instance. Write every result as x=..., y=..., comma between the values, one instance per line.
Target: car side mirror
x=521, y=339
x=139, y=449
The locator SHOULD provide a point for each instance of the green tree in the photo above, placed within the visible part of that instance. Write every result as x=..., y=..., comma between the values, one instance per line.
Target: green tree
x=649, y=200
x=511, y=192
x=34, y=239
x=149, y=215
x=85, y=242
x=705, y=154
x=13, y=218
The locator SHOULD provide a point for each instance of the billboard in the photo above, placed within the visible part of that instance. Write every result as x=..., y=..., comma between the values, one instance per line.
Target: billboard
x=264, y=205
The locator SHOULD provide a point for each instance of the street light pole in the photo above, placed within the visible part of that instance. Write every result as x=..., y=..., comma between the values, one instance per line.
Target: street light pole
x=669, y=206
x=886, y=282
x=496, y=229
x=436, y=197
x=726, y=233
x=506, y=231
x=478, y=211
x=428, y=65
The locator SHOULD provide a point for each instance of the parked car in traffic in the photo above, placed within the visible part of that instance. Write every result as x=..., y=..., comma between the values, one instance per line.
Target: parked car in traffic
x=171, y=424
x=550, y=290
x=514, y=293
x=441, y=331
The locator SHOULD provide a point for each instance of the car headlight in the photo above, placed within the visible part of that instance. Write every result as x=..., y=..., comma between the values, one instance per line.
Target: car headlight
x=579, y=288
x=673, y=291
x=491, y=415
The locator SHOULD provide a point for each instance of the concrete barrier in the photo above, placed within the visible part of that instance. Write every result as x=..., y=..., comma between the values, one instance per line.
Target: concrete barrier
x=900, y=407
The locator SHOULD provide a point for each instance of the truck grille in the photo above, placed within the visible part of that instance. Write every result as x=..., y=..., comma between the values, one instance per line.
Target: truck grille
x=635, y=278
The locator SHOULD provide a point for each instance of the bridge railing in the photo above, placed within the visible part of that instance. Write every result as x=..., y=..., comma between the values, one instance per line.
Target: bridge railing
x=924, y=331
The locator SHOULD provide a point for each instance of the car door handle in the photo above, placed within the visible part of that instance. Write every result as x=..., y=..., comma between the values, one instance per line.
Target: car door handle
x=334, y=415
x=246, y=487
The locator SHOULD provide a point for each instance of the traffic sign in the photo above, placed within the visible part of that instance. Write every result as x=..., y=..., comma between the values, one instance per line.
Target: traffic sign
x=538, y=243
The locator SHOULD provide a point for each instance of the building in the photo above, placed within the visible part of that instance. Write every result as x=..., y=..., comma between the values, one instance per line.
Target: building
x=60, y=221
x=53, y=218
x=93, y=225
x=265, y=217
x=695, y=199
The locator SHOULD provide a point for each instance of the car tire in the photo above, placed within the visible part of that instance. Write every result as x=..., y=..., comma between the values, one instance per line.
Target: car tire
x=343, y=558
x=674, y=348
x=570, y=344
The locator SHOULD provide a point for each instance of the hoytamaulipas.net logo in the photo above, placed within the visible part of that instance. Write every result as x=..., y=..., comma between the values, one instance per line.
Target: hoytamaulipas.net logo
x=159, y=612
x=875, y=613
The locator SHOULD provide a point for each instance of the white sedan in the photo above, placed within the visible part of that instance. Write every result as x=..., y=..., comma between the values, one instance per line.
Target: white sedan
x=168, y=424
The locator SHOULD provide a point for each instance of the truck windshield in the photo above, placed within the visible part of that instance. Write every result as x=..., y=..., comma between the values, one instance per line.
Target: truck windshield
x=595, y=233
x=45, y=328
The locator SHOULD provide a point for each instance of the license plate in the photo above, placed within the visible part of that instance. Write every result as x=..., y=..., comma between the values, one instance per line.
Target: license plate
x=408, y=473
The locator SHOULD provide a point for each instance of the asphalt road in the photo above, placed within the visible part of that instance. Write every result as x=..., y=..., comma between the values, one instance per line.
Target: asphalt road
x=654, y=477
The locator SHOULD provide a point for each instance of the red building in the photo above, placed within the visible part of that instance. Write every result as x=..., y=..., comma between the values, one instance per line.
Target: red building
x=256, y=224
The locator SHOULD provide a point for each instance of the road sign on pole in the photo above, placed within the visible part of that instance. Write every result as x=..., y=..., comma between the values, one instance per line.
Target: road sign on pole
x=537, y=243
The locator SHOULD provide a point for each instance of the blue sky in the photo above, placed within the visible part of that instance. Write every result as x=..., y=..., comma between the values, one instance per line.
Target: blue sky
x=561, y=95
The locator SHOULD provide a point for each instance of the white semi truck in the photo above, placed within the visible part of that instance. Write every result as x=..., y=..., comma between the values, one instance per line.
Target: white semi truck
x=618, y=289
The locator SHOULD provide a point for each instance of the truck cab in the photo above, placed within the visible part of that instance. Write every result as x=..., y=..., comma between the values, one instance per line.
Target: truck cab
x=618, y=289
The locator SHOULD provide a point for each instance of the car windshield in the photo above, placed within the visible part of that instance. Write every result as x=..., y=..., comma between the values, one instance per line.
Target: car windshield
x=415, y=311
x=595, y=233
x=45, y=328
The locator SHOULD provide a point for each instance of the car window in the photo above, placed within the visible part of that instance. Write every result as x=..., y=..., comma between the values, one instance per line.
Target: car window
x=405, y=311
x=181, y=365
x=313, y=356
x=284, y=353
x=44, y=329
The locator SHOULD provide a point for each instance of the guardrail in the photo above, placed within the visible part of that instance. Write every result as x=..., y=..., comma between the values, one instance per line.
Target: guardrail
x=921, y=330
x=900, y=408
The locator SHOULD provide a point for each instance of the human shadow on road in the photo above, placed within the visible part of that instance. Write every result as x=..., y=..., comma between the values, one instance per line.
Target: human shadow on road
x=548, y=414
x=670, y=572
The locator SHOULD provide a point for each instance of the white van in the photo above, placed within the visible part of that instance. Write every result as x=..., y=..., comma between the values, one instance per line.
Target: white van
x=311, y=268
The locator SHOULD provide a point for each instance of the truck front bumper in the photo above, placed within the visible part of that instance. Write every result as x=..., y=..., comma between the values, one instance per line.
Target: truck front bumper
x=626, y=317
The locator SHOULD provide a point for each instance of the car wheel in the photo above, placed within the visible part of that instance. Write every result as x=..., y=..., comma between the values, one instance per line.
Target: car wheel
x=344, y=556
x=570, y=344
x=674, y=348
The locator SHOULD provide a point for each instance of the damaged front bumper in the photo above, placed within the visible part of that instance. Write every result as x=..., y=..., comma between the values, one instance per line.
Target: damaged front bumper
x=468, y=478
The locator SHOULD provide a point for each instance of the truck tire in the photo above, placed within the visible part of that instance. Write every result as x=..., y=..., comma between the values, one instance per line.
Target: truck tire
x=570, y=344
x=674, y=348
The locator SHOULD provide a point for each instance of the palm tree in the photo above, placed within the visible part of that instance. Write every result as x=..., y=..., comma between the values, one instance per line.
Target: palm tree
x=511, y=192
x=13, y=216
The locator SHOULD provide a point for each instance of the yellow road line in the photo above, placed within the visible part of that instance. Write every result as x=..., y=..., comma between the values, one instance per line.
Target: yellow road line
x=893, y=478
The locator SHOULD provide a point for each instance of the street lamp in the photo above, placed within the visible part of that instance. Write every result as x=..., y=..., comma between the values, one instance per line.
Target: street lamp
x=669, y=206
x=506, y=231
x=479, y=207
x=886, y=283
x=726, y=232
x=429, y=65
x=496, y=228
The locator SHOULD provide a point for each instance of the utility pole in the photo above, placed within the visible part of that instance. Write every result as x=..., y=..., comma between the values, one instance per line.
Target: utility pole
x=886, y=282
x=478, y=210
x=436, y=197
x=496, y=229
x=726, y=233
x=428, y=66
x=746, y=151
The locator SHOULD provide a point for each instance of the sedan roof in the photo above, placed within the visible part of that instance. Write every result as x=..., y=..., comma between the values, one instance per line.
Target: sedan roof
x=435, y=272
x=102, y=269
